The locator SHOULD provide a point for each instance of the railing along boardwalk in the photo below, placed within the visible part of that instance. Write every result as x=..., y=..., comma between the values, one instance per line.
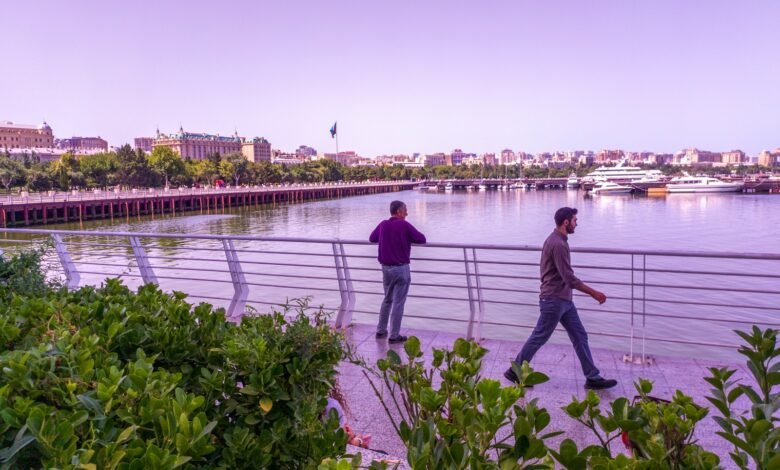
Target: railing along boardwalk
x=661, y=302
x=54, y=207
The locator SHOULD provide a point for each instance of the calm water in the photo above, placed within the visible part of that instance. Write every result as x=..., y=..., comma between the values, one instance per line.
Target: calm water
x=716, y=222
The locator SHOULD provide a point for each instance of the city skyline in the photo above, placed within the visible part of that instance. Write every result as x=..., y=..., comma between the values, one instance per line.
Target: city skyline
x=403, y=78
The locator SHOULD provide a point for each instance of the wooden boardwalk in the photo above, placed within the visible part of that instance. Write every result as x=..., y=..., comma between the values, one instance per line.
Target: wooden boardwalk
x=42, y=209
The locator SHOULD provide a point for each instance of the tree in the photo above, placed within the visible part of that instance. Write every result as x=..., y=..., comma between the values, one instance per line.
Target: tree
x=166, y=162
x=11, y=172
x=133, y=167
x=99, y=169
x=237, y=166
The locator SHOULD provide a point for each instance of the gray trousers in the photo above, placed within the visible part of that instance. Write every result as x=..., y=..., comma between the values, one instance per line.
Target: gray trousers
x=395, y=280
x=554, y=310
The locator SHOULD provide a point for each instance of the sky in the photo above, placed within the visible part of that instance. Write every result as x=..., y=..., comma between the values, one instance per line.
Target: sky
x=401, y=76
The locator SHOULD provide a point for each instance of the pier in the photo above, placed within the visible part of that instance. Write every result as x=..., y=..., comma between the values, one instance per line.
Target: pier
x=58, y=207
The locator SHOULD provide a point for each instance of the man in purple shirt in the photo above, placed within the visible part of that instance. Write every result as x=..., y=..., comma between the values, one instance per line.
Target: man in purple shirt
x=555, y=302
x=395, y=237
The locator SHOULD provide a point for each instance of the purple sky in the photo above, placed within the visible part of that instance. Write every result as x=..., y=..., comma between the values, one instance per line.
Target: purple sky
x=402, y=77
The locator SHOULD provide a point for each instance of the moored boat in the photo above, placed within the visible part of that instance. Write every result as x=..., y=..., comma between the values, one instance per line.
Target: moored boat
x=607, y=187
x=702, y=184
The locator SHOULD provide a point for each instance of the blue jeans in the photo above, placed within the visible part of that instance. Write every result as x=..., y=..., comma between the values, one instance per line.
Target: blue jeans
x=396, y=280
x=554, y=310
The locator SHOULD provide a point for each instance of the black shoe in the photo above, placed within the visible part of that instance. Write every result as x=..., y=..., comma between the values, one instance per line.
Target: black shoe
x=600, y=384
x=398, y=339
x=512, y=377
x=381, y=335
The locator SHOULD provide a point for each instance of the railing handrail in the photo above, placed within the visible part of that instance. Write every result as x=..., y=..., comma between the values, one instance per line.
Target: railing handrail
x=482, y=246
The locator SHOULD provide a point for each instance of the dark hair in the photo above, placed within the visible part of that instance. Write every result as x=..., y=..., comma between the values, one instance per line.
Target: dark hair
x=395, y=206
x=564, y=213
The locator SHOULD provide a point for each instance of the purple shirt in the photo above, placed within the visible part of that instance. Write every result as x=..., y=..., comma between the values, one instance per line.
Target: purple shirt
x=395, y=237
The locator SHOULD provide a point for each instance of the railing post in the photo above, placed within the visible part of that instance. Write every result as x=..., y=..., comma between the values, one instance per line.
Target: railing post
x=346, y=292
x=142, y=260
x=240, y=288
x=347, y=320
x=340, y=278
x=470, y=327
x=631, y=357
x=71, y=273
x=480, y=301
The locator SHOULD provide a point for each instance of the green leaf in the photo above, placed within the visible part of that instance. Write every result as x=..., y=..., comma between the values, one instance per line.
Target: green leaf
x=412, y=347
x=21, y=441
x=393, y=358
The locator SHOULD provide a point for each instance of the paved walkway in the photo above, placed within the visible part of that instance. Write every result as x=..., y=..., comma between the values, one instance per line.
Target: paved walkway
x=557, y=361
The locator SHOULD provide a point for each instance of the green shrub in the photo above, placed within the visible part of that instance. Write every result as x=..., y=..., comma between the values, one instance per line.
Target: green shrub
x=466, y=421
x=108, y=378
x=660, y=433
x=754, y=435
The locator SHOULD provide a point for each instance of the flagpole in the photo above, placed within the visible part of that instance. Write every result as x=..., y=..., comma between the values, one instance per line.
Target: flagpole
x=337, y=140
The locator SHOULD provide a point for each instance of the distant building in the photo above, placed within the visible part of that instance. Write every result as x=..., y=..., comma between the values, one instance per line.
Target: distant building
x=15, y=136
x=734, y=157
x=702, y=157
x=435, y=159
x=456, y=157
x=345, y=158
x=489, y=159
x=144, y=143
x=306, y=151
x=604, y=156
x=198, y=146
x=256, y=150
x=770, y=159
x=82, y=143
x=508, y=157
x=47, y=154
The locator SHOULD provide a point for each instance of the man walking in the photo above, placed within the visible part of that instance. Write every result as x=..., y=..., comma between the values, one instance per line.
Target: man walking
x=395, y=237
x=555, y=302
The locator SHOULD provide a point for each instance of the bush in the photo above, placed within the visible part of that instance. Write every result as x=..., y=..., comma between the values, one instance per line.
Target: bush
x=108, y=378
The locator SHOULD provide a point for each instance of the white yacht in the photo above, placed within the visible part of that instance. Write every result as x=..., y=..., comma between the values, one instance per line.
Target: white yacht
x=702, y=184
x=607, y=187
x=622, y=173
x=573, y=182
x=482, y=187
x=448, y=187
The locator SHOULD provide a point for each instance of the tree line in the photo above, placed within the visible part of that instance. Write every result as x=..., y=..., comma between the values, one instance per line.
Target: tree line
x=163, y=167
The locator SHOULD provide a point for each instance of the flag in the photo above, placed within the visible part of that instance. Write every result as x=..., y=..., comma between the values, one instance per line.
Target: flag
x=333, y=130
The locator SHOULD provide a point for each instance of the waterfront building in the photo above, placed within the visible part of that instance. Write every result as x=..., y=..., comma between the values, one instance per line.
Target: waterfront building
x=257, y=149
x=197, y=146
x=144, y=143
x=15, y=136
x=770, y=159
x=82, y=143
x=490, y=159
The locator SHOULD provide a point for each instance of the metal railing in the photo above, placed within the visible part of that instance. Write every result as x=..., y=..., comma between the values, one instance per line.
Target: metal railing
x=679, y=300
x=25, y=197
